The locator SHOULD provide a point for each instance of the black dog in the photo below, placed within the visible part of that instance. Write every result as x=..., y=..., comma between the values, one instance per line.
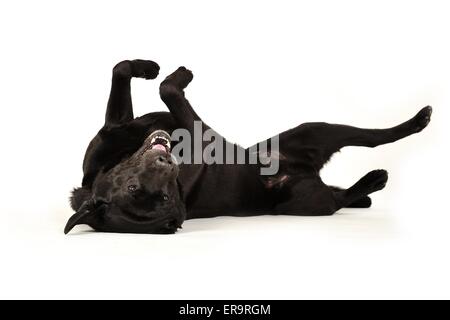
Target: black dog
x=131, y=183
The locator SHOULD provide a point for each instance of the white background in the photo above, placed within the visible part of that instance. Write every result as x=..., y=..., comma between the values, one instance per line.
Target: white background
x=259, y=68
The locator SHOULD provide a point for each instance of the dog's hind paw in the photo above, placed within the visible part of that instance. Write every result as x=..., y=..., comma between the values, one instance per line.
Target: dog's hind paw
x=422, y=119
x=375, y=180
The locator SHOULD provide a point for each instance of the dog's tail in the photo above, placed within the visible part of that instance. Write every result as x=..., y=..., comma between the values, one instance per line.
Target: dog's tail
x=79, y=195
x=364, y=202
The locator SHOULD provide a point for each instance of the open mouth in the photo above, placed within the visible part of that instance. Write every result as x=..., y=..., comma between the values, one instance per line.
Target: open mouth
x=159, y=140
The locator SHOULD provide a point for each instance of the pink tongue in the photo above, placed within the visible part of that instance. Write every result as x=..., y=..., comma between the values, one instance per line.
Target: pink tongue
x=159, y=147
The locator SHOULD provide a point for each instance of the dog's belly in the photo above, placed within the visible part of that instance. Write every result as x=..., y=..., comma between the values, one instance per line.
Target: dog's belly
x=215, y=190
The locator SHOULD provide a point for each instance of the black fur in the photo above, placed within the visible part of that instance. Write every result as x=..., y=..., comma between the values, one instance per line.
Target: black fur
x=79, y=195
x=127, y=188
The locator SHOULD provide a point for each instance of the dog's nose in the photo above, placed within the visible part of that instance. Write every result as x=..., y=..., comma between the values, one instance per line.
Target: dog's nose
x=164, y=161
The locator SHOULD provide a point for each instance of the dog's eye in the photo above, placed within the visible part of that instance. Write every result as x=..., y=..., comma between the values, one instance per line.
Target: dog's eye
x=132, y=188
x=165, y=197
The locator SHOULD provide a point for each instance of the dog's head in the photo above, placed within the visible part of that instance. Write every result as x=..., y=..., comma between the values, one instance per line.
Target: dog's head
x=141, y=194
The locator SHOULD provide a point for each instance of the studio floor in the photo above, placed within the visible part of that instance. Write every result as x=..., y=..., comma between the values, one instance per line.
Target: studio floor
x=353, y=254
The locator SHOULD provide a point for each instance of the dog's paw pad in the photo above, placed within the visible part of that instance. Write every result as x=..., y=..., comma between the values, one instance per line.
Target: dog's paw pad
x=422, y=119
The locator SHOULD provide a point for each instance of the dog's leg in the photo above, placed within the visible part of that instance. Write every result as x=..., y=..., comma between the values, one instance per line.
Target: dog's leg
x=363, y=202
x=373, y=181
x=120, y=107
x=309, y=196
x=172, y=93
x=321, y=140
x=306, y=196
x=350, y=136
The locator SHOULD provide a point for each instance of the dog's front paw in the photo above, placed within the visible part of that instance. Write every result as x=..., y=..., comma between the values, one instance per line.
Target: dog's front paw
x=422, y=119
x=180, y=78
x=146, y=69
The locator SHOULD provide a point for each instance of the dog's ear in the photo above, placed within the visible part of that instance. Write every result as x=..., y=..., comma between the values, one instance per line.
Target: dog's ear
x=86, y=214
